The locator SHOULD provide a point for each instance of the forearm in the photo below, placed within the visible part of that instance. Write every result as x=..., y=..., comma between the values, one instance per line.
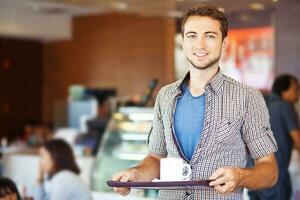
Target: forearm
x=263, y=175
x=148, y=169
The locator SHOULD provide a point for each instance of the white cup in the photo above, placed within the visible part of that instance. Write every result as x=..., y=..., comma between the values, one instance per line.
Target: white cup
x=174, y=169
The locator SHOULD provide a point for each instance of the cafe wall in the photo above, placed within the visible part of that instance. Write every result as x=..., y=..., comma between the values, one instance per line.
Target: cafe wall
x=119, y=51
x=287, y=43
x=20, y=85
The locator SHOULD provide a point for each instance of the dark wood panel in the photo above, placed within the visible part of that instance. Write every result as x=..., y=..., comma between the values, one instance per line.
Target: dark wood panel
x=20, y=85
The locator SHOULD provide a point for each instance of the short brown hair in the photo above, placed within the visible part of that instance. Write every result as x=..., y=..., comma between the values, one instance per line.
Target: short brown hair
x=207, y=11
x=62, y=156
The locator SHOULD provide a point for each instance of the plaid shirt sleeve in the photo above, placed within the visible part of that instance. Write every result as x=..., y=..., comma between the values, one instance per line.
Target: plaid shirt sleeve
x=256, y=128
x=156, y=138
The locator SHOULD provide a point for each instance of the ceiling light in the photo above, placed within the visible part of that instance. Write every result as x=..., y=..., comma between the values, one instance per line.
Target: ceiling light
x=119, y=5
x=49, y=8
x=221, y=9
x=257, y=6
x=175, y=13
x=245, y=18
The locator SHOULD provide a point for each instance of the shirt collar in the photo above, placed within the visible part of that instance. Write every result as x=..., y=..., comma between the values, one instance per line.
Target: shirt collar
x=215, y=84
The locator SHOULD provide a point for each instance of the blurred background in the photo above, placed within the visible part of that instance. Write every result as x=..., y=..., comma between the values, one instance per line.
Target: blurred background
x=89, y=72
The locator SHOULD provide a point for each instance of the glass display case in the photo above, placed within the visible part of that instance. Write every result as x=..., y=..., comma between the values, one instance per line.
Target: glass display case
x=123, y=146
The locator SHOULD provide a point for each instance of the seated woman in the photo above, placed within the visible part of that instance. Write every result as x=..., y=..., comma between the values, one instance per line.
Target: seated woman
x=58, y=177
x=8, y=190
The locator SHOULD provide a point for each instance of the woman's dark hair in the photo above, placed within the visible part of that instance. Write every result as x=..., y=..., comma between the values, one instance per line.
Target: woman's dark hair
x=207, y=11
x=282, y=83
x=8, y=185
x=62, y=156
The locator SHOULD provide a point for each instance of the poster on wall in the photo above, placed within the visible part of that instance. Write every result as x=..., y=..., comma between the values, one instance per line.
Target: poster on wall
x=248, y=59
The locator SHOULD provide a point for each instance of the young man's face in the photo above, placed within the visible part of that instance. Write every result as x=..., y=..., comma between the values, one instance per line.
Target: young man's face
x=202, y=42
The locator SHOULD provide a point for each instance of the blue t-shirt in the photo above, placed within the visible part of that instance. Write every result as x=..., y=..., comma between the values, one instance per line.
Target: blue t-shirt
x=188, y=122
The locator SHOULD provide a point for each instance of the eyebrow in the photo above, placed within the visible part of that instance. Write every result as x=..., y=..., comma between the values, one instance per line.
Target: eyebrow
x=211, y=32
x=207, y=32
x=190, y=32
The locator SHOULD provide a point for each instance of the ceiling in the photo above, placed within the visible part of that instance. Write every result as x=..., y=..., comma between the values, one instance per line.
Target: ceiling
x=50, y=20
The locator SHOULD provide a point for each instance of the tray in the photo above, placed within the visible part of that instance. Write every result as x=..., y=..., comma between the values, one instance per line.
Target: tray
x=161, y=185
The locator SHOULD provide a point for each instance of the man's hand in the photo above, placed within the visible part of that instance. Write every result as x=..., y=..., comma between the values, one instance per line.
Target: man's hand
x=147, y=170
x=225, y=180
x=124, y=176
x=262, y=175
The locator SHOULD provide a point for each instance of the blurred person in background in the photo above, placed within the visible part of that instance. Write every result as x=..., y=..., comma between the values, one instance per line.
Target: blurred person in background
x=58, y=178
x=35, y=134
x=285, y=126
x=8, y=190
x=30, y=135
x=97, y=125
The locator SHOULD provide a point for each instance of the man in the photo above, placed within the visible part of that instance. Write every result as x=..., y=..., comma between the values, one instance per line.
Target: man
x=209, y=120
x=285, y=126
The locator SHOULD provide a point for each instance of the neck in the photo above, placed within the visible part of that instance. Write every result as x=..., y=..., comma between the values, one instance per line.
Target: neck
x=199, y=78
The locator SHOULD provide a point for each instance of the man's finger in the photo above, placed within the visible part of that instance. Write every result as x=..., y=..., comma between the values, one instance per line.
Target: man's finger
x=220, y=181
x=219, y=189
x=122, y=177
x=224, y=189
x=126, y=177
x=122, y=190
x=117, y=176
x=218, y=173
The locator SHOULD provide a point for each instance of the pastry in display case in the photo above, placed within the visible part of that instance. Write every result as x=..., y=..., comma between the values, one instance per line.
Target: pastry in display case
x=123, y=146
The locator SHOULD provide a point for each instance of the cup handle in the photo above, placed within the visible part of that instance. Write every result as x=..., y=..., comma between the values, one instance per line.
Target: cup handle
x=186, y=171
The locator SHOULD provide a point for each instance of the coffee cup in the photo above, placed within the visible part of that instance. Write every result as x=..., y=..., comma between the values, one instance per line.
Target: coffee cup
x=174, y=169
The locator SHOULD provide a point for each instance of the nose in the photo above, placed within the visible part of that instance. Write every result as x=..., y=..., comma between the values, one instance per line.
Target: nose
x=200, y=42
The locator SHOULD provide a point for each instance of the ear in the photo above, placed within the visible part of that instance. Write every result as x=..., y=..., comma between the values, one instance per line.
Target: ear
x=181, y=41
x=225, y=43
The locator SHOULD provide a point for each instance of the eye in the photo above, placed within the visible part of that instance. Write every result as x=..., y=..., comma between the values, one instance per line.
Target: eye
x=191, y=36
x=210, y=36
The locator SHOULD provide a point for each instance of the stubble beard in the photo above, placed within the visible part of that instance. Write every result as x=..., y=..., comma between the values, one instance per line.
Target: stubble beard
x=208, y=65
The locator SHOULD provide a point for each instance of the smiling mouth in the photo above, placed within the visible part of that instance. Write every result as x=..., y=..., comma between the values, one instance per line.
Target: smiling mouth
x=200, y=54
